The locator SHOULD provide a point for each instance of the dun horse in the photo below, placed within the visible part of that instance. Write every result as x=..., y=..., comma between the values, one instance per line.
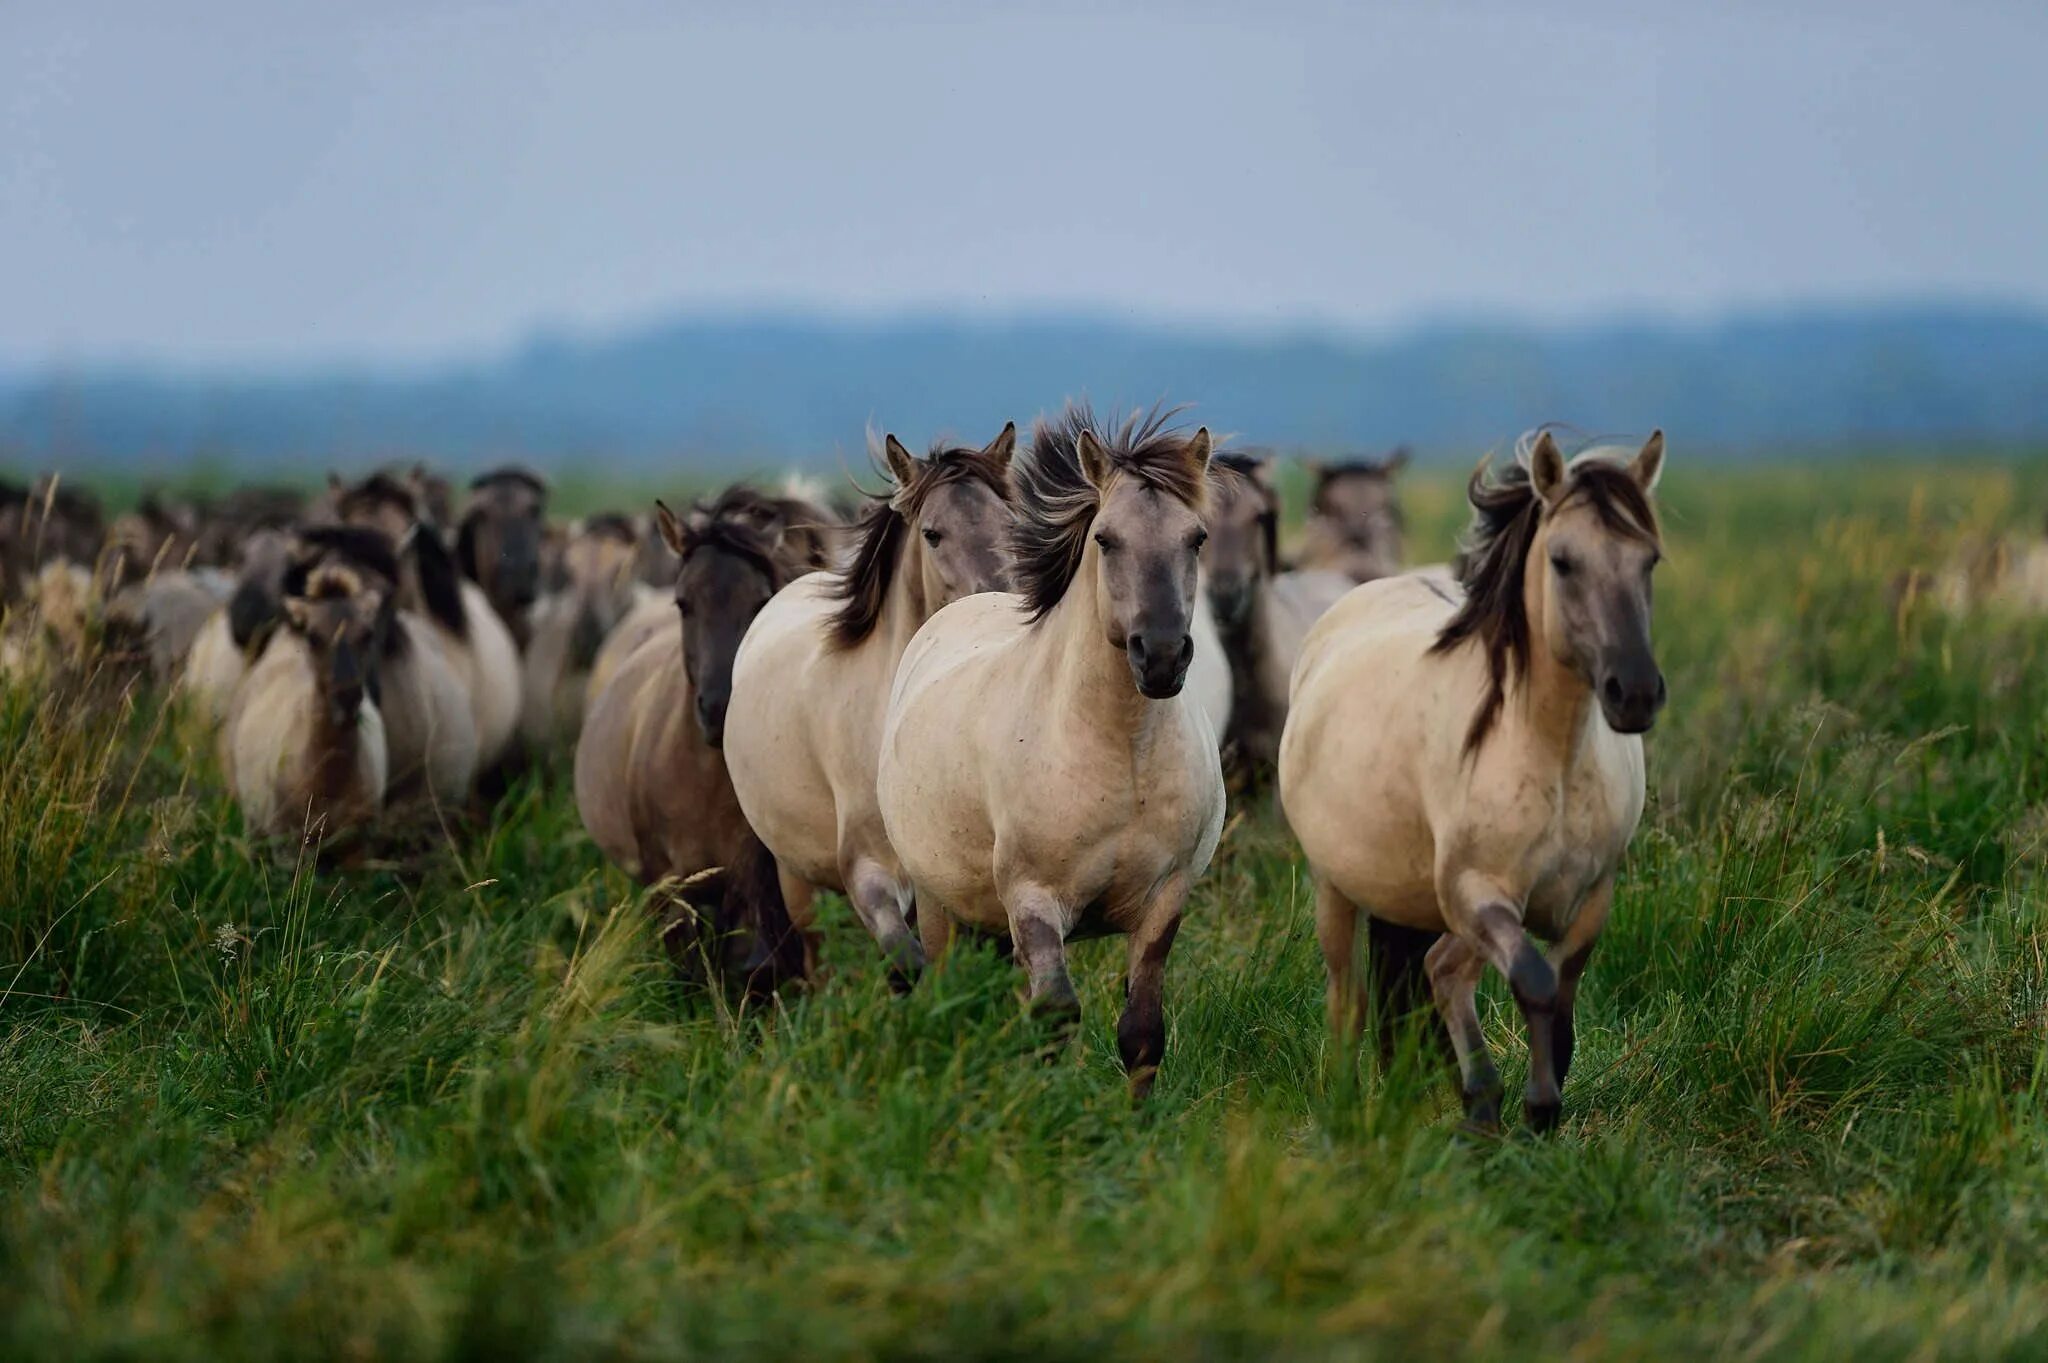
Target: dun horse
x=1262, y=613
x=651, y=783
x=429, y=735
x=304, y=746
x=811, y=684
x=1042, y=776
x=1354, y=521
x=1466, y=769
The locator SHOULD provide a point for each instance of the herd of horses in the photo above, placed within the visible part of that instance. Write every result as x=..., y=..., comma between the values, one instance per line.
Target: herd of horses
x=1005, y=695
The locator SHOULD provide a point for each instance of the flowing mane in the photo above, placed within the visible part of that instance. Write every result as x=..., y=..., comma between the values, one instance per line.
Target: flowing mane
x=1056, y=503
x=1494, y=554
x=864, y=584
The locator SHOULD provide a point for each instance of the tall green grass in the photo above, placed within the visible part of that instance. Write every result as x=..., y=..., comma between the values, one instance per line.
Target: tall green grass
x=451, y=1104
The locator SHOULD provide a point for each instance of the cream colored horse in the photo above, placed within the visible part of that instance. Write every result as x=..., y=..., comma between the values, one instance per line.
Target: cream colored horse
x=304, y=746
x=1469, y=763
x=811, y=684
x=1042, y=775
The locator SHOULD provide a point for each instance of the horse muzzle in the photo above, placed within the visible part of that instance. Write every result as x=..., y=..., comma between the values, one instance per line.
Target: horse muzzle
x=1630, y=704
x=1159, y=666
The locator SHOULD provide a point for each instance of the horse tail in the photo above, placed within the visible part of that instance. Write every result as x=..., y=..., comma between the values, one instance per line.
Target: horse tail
x=1399, y=981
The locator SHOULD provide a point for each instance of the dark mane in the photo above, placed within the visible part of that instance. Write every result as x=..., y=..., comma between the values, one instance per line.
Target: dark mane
x=1056, y=503
x=731, y=523
x=440, y=579
x=510, y=473
x=1360, y=466
x=356, y=545
x=379, y=489
x=1495, y=552
x=864, y=584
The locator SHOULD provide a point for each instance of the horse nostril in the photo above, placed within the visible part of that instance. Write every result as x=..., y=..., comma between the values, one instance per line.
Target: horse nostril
x=1136, y=648
x=1187, y=649
x=1612, y=690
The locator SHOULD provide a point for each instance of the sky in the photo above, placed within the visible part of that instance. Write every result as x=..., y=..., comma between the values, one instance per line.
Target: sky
x=255, y=183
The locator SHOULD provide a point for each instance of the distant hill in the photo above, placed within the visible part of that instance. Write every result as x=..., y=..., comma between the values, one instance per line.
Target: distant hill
x=791, y=388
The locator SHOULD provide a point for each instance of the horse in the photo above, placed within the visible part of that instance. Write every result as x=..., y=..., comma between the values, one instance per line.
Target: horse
x=157, y=620
x=304, y=745
x=430, y=737
x=1466, y=766
x=1262, y=611
x=651, y=783
x=498, y=544
x=1354, y=522
x=1042, y=776
x=468, y=627
x=808, y=532
x=570, y=624
x=811, y=682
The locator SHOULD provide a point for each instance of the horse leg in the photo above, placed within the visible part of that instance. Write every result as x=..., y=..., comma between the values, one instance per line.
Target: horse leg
x=1454, y=969
x=880, y=905
x=1569, y=957
x=1141, y=1031
x=1494, y=927
x=1337, y=934
x=1038, y=927
x=935, y=930
x=796, y=897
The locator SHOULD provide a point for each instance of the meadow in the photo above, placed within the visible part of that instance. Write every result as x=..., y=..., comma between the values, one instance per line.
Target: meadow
x=448, y=1102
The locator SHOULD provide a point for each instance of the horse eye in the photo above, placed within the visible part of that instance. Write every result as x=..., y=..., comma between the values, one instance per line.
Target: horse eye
x=932, y=537
x=1561, y=564
x=1105, y=543
x=1197, y=540
x=683, y=609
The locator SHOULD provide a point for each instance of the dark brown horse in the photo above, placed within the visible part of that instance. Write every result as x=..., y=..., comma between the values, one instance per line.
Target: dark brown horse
x=651, y=782
x=499, y=543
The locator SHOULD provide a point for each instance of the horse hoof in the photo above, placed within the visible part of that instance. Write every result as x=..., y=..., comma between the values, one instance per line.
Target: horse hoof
x=1542, y=1117
x=1481, y=1112
x=1141, y=1084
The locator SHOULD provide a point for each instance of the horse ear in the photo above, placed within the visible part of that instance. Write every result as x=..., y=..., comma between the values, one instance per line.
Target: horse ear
x=902, y=463
x=1648, y=465
x=1396, y=461
x=1546, y=469
x=1003, y=446
x=1095, y=465
x=672, y=533
x=1200, y=448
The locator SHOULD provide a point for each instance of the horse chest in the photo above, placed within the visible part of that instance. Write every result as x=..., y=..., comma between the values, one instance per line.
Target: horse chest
x=1595, y=816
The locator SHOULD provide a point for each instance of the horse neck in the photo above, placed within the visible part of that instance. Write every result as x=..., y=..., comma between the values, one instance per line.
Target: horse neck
x=904, y=608
x=1556, y=706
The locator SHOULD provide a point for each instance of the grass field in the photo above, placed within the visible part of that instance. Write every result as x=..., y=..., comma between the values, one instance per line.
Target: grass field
x=450, y=1105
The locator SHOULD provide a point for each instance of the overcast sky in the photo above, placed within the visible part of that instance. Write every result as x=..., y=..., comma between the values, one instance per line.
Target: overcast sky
x=217, y=184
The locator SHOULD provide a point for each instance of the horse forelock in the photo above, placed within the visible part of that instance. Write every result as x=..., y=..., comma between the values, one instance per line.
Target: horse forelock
x=1056, y=502
x=863, y=586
